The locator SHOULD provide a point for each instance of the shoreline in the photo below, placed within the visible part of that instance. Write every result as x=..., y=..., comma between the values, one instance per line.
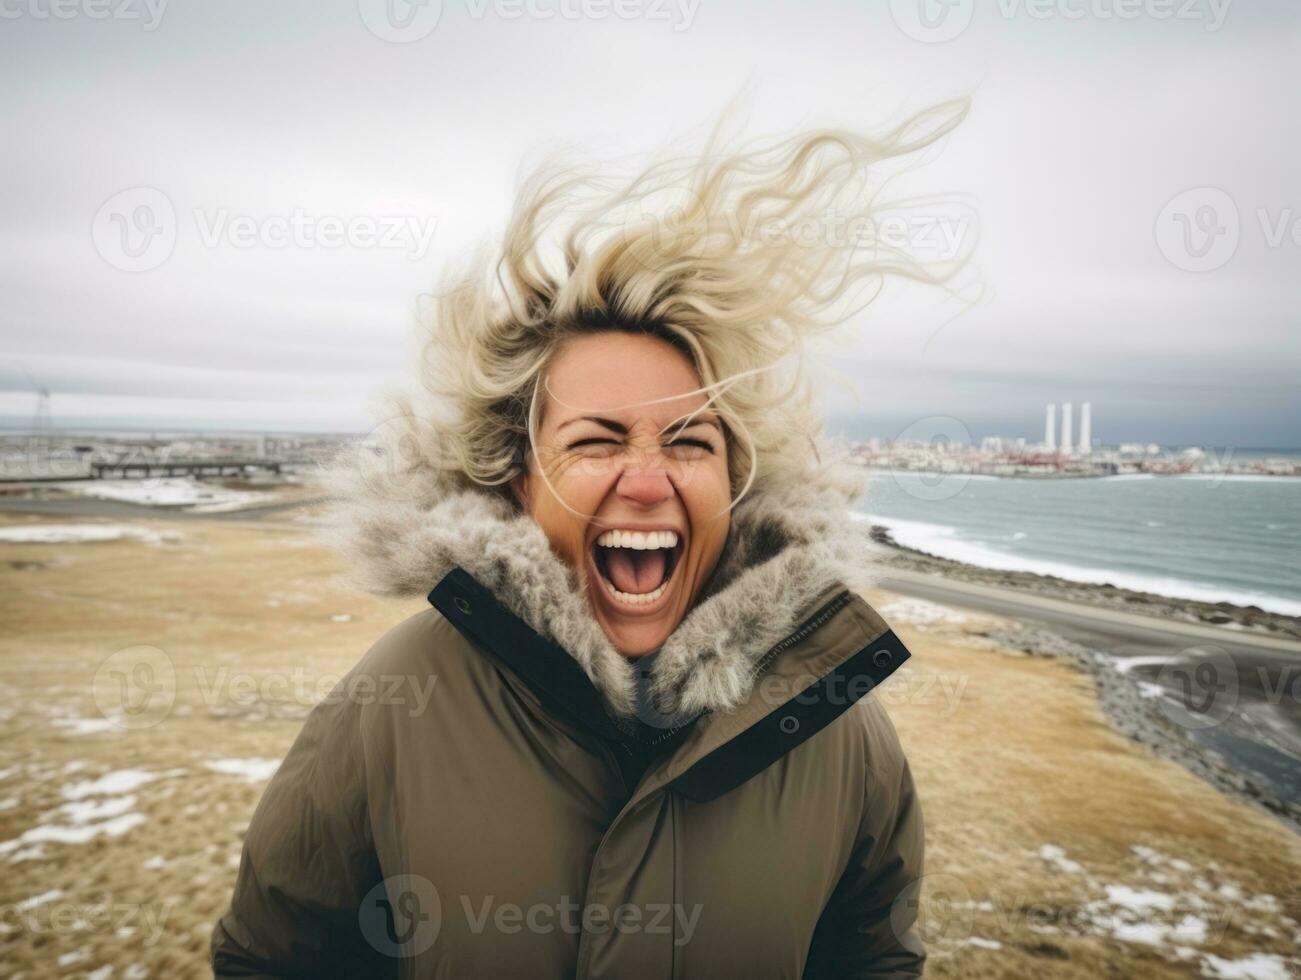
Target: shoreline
x=1237, y=755
x=1227, y=615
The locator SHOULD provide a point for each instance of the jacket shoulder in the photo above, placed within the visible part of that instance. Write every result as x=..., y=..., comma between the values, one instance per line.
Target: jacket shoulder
x=424, y=642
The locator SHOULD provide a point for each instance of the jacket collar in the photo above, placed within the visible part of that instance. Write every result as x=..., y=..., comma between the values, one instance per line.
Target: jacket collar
x=837, y=655
x=789, y=542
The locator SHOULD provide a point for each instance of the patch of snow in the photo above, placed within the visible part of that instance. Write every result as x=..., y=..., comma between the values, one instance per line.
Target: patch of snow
x=115, y=783
x=1147, y=933
x=920, y=612
x=253, y=770
x=982, y=943
x=1124, y=665
x=81, y=534
x=78, y=833
x=86, y=811
x=1191, y=929
x=341, y=618
x=1055, y=856
x=1257, y=966
x=85, y=726
x=154, y=863
x=41, y=899
x=1139, y=899
x=170, y=492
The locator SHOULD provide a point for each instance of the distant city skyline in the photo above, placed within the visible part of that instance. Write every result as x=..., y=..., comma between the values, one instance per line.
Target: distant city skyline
x=838, y=425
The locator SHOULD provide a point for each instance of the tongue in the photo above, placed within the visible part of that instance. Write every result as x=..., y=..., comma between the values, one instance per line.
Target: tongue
x=634, y=571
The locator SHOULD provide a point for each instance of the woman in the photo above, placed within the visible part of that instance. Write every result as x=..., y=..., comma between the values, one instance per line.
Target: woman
x=650, y=749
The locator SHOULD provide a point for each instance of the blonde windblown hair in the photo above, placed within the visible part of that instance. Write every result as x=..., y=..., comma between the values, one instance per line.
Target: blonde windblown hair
x=738, y=257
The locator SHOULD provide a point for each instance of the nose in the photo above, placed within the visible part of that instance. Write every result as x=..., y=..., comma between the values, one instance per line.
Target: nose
x=645, y=487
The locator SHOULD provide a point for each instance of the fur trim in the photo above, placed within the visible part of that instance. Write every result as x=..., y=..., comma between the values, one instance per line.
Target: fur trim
x=787, y=543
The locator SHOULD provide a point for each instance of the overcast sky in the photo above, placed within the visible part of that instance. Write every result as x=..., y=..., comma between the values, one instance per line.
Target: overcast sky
x=1136, y=165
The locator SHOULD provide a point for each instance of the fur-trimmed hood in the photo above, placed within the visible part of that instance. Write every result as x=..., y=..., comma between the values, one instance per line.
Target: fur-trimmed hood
x=789, y=540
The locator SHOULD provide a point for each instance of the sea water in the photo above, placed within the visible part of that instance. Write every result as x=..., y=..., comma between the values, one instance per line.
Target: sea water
x=1212, y=537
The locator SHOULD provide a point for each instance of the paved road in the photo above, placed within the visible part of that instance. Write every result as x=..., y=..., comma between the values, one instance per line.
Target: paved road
x=1119, y=633
x=1265, y=671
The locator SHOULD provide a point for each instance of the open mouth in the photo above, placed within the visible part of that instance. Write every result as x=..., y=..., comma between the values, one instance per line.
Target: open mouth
x=637, y=567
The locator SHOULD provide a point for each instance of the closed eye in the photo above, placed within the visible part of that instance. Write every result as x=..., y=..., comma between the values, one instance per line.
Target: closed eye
x=594, y=441
x=702, y=443
x=589, y=442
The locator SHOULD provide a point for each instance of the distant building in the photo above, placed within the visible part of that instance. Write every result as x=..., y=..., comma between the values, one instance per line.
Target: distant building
x=1050, y=428
x=1066, y=427
x=1086, y=428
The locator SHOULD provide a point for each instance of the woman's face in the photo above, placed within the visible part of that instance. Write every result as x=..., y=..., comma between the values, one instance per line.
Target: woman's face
x=613, y=466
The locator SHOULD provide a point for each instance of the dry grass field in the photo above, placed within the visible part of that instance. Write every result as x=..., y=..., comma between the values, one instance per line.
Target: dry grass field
x=1055, y=847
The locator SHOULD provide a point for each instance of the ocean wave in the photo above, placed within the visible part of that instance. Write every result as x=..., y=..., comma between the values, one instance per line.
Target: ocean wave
x=942, y=541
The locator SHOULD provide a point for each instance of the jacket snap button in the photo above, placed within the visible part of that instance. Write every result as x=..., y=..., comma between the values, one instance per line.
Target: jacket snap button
x=461, y=604
x=790, y=725
x=882, y=657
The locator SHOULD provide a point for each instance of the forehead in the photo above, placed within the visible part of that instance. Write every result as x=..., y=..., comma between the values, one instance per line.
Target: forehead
x=602, y=373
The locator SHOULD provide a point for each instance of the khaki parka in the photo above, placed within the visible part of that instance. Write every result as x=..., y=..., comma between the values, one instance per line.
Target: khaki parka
x=530, y=816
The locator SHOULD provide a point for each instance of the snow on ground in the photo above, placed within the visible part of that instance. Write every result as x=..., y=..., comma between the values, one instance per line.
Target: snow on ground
x=115, y=783
x=82, y=533
x=1123, y=665
x=103, y=807
x=1185, y=913
x=1257, y=966
x=253, y=770
x=86, y=726
x=171, y=492
x=73, y=833
x=1055, y=856
x=920, y=612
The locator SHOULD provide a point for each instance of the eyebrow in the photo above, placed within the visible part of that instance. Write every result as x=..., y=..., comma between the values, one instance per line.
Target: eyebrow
x=622, y=429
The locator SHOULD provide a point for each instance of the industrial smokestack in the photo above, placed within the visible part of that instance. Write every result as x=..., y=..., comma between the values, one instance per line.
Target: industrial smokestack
x=1050, y=428
x=1066, y=427
x=1086, y=428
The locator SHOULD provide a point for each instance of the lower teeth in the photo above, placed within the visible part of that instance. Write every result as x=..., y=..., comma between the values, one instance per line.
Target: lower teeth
x=637, y=600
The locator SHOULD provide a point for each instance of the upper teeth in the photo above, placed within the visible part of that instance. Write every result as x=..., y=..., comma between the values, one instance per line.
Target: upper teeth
x=641, y=540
